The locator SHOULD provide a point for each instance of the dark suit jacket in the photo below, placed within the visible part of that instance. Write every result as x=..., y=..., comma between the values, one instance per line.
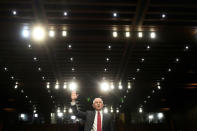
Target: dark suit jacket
x=107, y=122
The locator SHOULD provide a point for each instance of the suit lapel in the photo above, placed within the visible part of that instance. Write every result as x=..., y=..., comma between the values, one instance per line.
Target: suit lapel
x=103, y=121
x=93, y=117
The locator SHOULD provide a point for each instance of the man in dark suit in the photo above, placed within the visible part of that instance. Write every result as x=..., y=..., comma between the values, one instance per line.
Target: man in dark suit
x=95, y=120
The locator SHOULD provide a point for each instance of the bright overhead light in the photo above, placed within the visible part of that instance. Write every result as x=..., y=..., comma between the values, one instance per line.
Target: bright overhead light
x=148, y=47
x=64, y=33
x=140, y=110
x=73, y=86
x=152, y=35
x=60, y=114
x=127, y=34
x=65, y=13
x=69, y=46
x=29, y=45
x=159, y=87
x=70, y=110
x=105, y=70
x=163, y=15
x=39, y=69
x=169, y=70
x=22, y=116
x=142, y=59
x=65, y=85
x=48, y=85
x=112, y=85
x=73, y=117
x=16, y=86
x=186, y=48
x=25, y=33
x=35, y=58
x=109, y=47
x=160, y=115
x=177, y=59
x=137, y=69
x=36, y=115
x=14, y=12
x=150, y=117
x=5, y=68
x=107, y=59
x=51, y=33
x=105, y=110
x=120, y=86
x=129, y=85
x=140, y=35
x=57, y=86
x=117, y=110
x=38, y=33
x=115, y=34
x=115, y=14
x=104, y=86
x=73, y=69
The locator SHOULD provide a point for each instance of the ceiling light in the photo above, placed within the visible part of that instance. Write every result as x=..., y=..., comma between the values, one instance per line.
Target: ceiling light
x=160, y=115
x=70, y=110
x=38, y=33
x=73, y=86
x=69, y=46
x=153, y=91
x=137, y=69
x=64, y=33
x=14, y=12
x=73, y=69
x=169, y=70
x=36, y=115
x=107, y=59
x=12, y=77
x=48, y=85
x=73, y=117
x=144, y=101
x=163, y=78
x=109, y=46
x=51, y=33
x=35, y=58
x=104, y=86
x=142, y=59
x=65, y=13
x=16, y=86
x=152, y=35
x=25, y=33
x=115, y=14
x=129, y=85
x=5, y=68
x=105, y=70
x=29, y=46
x=159, y=87
x=140, y=110
x=148, y=47
x=127, y=34
x=57, y=86
x=60, y=114
x=120, y=86
x=150, y=117
x=163, y=15
x=117, y=110
x=177, y=59
x=133, y=78
x=65, y=85
x=26, y=96
x=105, y=110
x=115, y=34
x=148, y=97
x=43, y=78
x=140, y=35
x=112, y=85
x=186, y=48
x=71, y=58
x=39, y=69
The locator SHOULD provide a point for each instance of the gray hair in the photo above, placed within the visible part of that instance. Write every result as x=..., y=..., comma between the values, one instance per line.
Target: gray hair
x=97, y=98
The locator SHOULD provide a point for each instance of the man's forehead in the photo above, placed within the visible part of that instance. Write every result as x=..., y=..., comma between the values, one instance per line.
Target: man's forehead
x=98, y=99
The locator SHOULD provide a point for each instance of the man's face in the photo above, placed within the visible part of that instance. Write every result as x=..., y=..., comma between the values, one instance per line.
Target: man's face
x=98, y=104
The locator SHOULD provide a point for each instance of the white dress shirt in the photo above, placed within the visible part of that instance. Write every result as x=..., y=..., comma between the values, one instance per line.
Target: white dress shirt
x=94, y=127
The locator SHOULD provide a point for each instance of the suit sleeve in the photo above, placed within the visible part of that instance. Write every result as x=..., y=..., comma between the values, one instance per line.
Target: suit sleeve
x=77, y=112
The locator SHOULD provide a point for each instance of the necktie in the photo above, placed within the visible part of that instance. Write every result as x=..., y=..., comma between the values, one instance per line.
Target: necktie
x=98, y=121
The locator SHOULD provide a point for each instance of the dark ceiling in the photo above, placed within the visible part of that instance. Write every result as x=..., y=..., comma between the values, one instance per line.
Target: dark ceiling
x=170, y=59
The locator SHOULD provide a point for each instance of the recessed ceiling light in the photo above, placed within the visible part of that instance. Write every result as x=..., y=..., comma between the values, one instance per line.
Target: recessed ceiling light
x=71, y=59
x=115, y=14
x=69, y=46
x=127, y=34
x=115, y=34
x=64, y=33
x=148, y=47
x=105, y=69
x=65, y=13
x=73, y=69
x=35, y=58
x=29, y=45
x=5, y=68
x=39, y=68
x=14, y=12
x=140, y=34
x=51, y=33
x=152, y=35
x=109, y=46
x=107, y=59
x=163, y=15
x=142, y=59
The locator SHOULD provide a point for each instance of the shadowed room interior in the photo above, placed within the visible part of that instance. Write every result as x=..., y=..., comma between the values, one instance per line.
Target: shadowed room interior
x=139, y=56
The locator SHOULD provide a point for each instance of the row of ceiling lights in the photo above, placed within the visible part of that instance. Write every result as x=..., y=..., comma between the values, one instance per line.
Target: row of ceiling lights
x=158, y=84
